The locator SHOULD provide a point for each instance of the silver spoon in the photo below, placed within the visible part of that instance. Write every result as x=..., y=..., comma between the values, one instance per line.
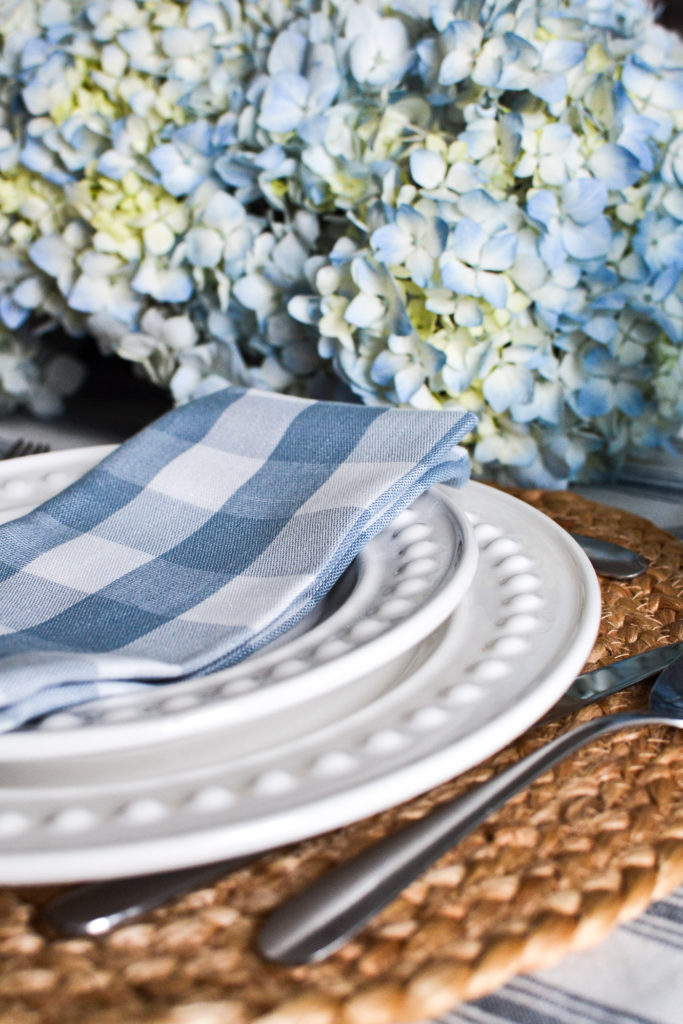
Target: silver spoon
x=98, y=907
x=321, y=918
x=611, y=560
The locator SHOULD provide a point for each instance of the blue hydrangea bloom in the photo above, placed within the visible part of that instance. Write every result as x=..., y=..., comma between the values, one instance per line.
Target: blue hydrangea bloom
x=421, y=202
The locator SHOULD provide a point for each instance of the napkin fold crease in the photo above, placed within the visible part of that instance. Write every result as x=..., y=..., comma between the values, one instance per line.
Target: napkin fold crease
x=202, y=538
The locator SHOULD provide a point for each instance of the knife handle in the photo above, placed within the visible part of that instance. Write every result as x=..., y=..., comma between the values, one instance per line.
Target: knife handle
x=99, y=907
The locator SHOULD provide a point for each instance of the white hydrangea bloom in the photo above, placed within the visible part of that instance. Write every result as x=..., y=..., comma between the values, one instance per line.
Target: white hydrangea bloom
x=430, y=202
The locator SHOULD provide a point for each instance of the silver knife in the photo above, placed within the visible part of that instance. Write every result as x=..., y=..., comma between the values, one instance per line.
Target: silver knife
x=99, y=907
x=601, y=682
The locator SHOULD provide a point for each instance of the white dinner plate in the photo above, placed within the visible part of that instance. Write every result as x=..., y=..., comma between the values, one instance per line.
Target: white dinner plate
x=406, y=581
x=512, y=647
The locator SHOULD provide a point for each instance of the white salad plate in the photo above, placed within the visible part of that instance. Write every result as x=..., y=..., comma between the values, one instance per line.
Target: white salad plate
x=406, y=581
x=513, y=645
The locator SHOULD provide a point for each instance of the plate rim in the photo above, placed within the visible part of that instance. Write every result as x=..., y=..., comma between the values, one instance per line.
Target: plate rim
x=350, y=803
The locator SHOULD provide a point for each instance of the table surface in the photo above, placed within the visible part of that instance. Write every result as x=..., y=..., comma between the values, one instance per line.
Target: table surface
x=636, y=974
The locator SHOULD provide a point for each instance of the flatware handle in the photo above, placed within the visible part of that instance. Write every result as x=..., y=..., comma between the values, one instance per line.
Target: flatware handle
x=99, y=907
x=317, y=921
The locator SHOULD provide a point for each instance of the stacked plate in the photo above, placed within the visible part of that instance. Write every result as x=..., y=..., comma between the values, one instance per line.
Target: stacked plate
x=455, y=629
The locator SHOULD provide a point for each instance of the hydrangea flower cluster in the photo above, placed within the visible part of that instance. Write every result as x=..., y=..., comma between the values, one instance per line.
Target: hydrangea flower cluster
x=432, y=203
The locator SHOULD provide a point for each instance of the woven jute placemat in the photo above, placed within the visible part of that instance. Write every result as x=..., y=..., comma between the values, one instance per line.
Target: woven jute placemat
x=588, y=845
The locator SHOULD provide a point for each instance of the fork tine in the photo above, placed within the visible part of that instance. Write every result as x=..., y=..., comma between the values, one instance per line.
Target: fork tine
x=14, y=450
x=21, y=447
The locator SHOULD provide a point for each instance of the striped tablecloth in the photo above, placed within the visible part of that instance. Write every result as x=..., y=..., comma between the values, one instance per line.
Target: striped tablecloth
x=634, y=977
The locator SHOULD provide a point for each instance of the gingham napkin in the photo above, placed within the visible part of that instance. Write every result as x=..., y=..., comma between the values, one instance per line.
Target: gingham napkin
x=202, y=538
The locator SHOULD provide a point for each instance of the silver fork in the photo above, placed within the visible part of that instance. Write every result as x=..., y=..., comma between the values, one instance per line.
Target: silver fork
x=21, y=447
x=98, y=907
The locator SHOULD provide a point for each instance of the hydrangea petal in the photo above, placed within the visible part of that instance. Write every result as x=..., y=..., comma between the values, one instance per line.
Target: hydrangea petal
x=180, y=333
x=493, y=288
x=465, y=177
x=420, y=266
x=364, y=310
x=408, y=381
x=457, y=276
x=637, y=77
x=595, y=398
x=11, y=313
x=427, y=168
x=115, y=165
x=204, y=247
x=672, y=202
x=668, y=91
x=90, y=294
x=584, y=199
x=455, y=66
x=283, y=103
x=508, y=449
x=468, y=313
x=562, y=54
x=467, y=241
x=30, y=292
x=588, y=241
x=158, y=238
x=287, y=52
x=165, y=285
x=551, y=88
x=602, y=328
x=222, y=210
x=368, y=277
x=629, y=398
x=386, y=366
x=551, y=250
x=615, y=166
x=542, y=206
x=51, y=254
x=304, y=308
x=391, y=245
x=499, y=252
x=255, y=292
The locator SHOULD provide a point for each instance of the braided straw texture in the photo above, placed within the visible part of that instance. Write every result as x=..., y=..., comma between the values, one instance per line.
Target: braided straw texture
x=588, y=845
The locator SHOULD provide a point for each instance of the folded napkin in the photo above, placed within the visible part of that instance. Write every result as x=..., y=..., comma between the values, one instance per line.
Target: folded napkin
x=202, y=538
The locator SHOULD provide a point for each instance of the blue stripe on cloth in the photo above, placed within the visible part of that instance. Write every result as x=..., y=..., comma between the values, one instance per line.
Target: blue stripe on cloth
x=206, y=536
x=80, y=509
x=143, y=456
x=191, y=423
x=60, y=519
x=152, y=522
x=29, y=599
x=324, y=435
x=24, y=539
x=628, y=979
x=164, y=588
x=564, y=1006
x=530, y=1000
x=658, y=932
x=670, y=909
x=212, y=545
x=94, y=623
x=661, y=923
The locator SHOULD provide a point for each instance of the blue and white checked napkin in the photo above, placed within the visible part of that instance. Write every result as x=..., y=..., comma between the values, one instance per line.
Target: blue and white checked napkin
x=202, y=538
